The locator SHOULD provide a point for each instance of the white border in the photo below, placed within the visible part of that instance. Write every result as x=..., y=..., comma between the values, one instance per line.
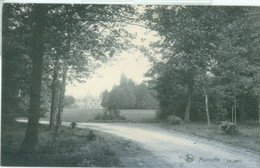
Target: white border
x=147, y=2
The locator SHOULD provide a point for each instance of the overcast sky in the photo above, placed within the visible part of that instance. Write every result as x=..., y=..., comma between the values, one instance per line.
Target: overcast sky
x=133, y=64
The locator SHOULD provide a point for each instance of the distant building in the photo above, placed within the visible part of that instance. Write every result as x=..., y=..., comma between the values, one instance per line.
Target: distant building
x=88, y=103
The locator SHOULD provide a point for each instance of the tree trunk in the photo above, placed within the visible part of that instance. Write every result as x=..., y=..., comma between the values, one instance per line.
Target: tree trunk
x=206, y=106
x=64, y=76
x=187, y=110
x=188, y=106
x=55, y=95
x=31, y=136
x=62, y=95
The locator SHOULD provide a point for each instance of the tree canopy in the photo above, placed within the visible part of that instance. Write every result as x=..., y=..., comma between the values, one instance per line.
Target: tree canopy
x=128, y=95
x=205, y=50
x=68, y=40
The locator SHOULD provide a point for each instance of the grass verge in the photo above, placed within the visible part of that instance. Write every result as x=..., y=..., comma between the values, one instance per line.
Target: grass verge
x=72, y=148
x=248, y=136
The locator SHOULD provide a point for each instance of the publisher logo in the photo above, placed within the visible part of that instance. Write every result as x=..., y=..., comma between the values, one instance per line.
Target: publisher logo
x=189, y=158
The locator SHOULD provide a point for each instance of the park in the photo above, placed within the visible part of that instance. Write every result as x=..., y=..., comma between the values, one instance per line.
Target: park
x=86, y=85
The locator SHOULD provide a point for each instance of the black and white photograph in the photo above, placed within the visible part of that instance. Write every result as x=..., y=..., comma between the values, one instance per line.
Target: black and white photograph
x=123, y=84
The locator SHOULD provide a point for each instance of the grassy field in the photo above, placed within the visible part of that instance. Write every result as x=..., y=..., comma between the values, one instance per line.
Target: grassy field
x=87, y=115
x=248, y=136
x=139, y=115
x=80, y=115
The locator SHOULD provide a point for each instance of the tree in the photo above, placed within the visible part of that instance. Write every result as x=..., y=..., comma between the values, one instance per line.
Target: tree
x=104, y=98
x=69, y=100
x=187, y=43
x=91, y=30
x=128, y=95
x=16, y=52
x=86, y=34
x=30, y=140
x=86, y=39
x=145, y=98
x=193, y=49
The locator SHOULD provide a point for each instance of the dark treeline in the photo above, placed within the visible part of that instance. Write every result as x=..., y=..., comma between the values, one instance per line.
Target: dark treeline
x=128, y=95
x=210, y=61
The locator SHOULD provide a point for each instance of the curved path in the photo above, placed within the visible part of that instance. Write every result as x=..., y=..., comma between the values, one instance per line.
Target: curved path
x=180, y=150
x=177, y=149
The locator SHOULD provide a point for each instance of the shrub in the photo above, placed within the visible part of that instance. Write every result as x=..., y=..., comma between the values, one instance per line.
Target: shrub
x=73, y=125
x=174, y=120
x=111, y=114
x=91, y=136
x=228, y=127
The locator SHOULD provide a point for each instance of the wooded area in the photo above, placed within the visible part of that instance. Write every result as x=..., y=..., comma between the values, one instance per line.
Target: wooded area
x=39, y=40
x=210, y=55
x=206, y=58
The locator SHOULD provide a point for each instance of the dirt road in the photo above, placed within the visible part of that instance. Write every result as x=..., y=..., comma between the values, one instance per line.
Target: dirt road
x=174, y=149
x=180, y=150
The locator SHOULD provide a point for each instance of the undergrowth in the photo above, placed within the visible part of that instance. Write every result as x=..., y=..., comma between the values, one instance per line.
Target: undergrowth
x=248, y=136
x=111, y=114
x=73, y=147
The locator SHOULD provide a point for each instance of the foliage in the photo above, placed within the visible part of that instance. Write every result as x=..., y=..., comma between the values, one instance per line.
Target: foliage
x=17, y=61
x=73, y=125
x=70, y=40
x=109, y=114
x=69, y=100
x=248, y=136
x=198, y=56
x=70, y=149
x=228, y=127
x=91, y=136
x=128, y=95
x=173, y=120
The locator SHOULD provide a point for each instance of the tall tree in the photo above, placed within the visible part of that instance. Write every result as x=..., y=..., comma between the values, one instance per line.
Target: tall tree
x=95, y=37
x=55, y=95
x=88, y=40
x=84, y=36
x=188, y=40
x=31, y=135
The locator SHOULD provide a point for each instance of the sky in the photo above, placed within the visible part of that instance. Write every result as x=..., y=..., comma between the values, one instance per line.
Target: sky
x=134, y=66
x=132, y=63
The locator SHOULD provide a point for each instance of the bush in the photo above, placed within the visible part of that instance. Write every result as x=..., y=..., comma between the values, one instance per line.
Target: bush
x=174, y=120
x=228, y=127
x=91, y=136
x=111, y=114
x=73, y=125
